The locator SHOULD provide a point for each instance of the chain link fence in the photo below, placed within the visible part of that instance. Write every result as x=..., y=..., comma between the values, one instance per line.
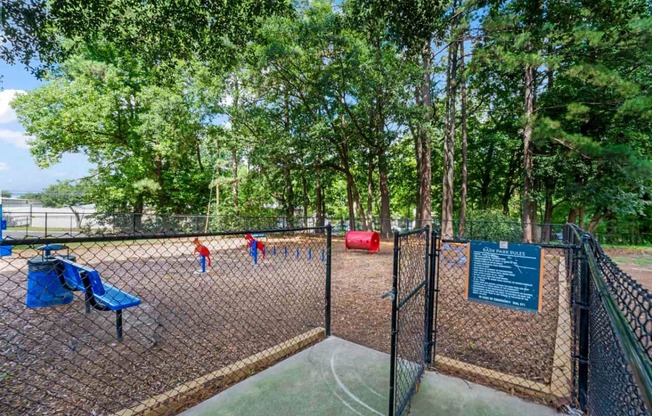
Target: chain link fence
x=529, y=352
x=409, y=317
x=152, y=324
x=614, y=340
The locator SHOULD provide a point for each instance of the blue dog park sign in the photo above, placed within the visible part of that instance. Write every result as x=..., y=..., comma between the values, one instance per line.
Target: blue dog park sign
x=507, y=275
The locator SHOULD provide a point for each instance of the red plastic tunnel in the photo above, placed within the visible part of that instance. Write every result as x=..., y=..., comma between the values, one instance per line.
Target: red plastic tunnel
x=363, y=240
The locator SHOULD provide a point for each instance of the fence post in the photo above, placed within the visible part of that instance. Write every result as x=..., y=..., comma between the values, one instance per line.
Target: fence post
x=329, y=232
x=433, y=295
x=392, y=364
x=45, y=234
x=583, y=342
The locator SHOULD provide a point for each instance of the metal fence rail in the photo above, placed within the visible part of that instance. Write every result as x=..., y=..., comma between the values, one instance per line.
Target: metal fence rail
x=184, y=332
x=614, y=370
x=410, y=336
x=23, y=224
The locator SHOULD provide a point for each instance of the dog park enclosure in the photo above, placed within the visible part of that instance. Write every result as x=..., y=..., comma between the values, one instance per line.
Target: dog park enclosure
x=195, y=333
x=228, y=322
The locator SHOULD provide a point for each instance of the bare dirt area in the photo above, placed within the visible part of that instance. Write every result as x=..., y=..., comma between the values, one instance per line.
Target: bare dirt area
x=360, y=279
x=59, y=360
x=513, y=342
x=635, y=262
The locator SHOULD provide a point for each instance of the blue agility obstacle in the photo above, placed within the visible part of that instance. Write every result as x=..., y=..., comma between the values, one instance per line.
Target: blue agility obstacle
x=52, y=279
x=98, y=294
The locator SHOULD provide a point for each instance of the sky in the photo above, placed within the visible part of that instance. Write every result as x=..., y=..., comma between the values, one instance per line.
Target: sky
x=18, y=171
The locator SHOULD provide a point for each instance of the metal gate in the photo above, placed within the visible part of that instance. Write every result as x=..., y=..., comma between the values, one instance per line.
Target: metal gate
x=411, y=316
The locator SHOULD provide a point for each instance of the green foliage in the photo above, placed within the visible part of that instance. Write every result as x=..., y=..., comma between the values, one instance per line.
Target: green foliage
x=266, y=109
x=64, y=194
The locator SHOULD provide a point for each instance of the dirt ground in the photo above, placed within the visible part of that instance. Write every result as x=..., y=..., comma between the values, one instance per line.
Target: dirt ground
x=58, y=360
x=512, y=342
x=360, y=314
x=635, y=262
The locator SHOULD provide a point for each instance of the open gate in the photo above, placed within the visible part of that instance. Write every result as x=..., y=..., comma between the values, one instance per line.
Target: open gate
x=412, y=294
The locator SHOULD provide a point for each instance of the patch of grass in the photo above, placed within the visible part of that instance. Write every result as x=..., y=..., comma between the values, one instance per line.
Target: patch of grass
x=627, y=247
x=639, y=261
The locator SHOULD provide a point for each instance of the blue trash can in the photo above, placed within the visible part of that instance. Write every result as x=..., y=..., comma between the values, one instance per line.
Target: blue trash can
x=44, y=287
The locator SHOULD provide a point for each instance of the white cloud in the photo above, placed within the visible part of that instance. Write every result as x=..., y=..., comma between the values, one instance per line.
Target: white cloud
x=7, y=114
x=16, y=138
x=4, y=166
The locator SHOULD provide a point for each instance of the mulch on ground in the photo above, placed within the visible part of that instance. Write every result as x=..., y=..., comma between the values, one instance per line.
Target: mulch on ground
x=59, y=360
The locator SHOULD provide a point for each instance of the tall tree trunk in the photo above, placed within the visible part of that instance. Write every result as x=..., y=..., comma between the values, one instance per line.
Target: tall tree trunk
x=234, y=165
x=486, y=179
x=449, y=133
x=425, y=174
x=546, y=231
x=527, y=218
x=595, y=221
x=289, y=196
x=463, y=188
x=509, y=183
x=449, y=136
x=349, y=202
x=419, y=134
x=533, y=11
x=370, y=192
x=319, y=213
x=572, y=215
x=385, y=222
x=358, y=202
x=305, y=199
x=139, y=206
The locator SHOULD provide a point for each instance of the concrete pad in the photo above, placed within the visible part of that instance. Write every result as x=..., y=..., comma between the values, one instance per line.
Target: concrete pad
x=444, y=395
x=333, y=377
x=337, y=377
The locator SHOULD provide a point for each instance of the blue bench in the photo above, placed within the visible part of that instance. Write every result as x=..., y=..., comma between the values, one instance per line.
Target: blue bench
x=98, y=294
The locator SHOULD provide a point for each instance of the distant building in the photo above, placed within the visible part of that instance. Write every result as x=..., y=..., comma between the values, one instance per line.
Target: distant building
x=21, y=203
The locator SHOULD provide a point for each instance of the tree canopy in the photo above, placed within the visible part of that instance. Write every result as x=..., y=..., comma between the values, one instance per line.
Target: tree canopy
x=536, y=111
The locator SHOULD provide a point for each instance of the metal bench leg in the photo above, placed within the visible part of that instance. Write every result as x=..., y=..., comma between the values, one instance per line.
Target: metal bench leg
x=87, y=302
x=118, y=324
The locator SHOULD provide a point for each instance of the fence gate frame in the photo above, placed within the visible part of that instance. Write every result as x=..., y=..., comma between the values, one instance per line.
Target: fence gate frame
x=402, y=370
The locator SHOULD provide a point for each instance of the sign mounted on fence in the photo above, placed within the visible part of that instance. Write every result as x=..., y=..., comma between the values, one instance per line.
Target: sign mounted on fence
x=506, y=274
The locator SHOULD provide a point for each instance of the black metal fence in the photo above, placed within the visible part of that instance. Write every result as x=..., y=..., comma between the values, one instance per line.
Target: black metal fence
x=60, y=224
x=100, y=325
x=410, y=334
x=529, y=352
x=614, y=338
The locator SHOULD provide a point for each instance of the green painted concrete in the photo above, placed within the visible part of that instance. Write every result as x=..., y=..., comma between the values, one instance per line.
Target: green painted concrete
x=337, y=377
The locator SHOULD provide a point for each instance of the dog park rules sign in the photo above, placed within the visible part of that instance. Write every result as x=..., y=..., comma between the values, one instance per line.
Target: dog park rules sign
x=504, y=274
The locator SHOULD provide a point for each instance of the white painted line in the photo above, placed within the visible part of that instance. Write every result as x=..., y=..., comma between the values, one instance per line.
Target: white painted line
x=346, y=390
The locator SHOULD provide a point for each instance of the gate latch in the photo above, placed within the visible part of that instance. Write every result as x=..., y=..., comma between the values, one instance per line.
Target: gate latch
x=389, y=295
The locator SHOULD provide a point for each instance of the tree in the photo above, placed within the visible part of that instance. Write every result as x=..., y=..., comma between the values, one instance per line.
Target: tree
x=158, y=34
x=5, y=194
x=144, y=139
x=66, y=194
